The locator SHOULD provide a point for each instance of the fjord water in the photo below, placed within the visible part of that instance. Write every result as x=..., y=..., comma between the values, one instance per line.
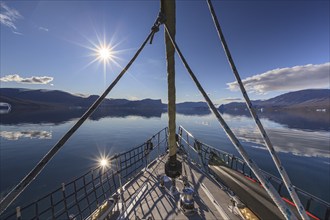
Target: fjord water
x=302, y=141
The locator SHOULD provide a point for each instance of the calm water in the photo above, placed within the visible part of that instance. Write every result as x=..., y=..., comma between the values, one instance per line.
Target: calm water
x=301, y=140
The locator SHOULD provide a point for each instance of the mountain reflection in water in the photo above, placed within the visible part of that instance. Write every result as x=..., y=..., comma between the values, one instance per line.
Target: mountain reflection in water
x=310, y=121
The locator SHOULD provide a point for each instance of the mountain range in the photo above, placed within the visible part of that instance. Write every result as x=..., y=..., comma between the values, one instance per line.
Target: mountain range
x=311, y=99
x=307, y=100
x=41, y=99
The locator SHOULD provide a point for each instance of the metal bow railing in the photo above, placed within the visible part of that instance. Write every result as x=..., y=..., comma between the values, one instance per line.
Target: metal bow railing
x=206, y=155
x=88, y=193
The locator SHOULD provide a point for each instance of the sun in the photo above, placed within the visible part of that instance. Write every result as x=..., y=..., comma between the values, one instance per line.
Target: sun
x=104, y=53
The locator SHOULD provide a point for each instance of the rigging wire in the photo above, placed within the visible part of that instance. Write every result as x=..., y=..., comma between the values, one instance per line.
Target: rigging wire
x=253, y=166
x=262, y=131
x=20, y=187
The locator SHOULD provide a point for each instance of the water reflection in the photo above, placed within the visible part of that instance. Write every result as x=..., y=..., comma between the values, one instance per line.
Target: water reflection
x=297, y=142
x=15, y=135
x=62, y=116
x=307, y=121
x=310, y=121
x=5, y=108
x=301, y=134
x=117, y=130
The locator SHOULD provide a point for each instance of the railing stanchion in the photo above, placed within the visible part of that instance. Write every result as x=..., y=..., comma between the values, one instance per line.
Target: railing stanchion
x=18, y=213
x=166, y=138
x=280, y=188
x=158, y=146
x=327, y=214
x=198, y=146
x=52, y=206
x=146, y=154
x=180, y=136
x=64, y=200
x=120, y=183
x=308, y=204
x=37, y=211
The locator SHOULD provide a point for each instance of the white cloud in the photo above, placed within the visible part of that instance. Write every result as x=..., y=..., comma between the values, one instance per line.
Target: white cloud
x=231, y=99
x=18, y=33
x=287, y=79
x=43, y=29
x=8, y=16
x=31, y=80
x=133, y=98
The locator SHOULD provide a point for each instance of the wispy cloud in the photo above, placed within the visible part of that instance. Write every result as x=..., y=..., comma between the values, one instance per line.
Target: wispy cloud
x=30, y=80
x=230, y=99
x=18, y=33
x=8, y=17
x=287, y=79
x=43, y=29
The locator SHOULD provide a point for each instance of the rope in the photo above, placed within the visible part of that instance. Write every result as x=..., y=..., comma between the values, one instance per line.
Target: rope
x=263, y=133
x=19, y=188
x=155, y=28
x=253, y=166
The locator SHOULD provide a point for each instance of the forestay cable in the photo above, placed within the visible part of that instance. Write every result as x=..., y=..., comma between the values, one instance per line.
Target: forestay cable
x=12, y=195
x=253, y=166
x=269, y=145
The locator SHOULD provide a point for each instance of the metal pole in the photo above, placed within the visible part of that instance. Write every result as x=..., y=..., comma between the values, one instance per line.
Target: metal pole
x=269, y=145
x=158, y=151
x=120, y=184
x=169, y=8
x=173, y=168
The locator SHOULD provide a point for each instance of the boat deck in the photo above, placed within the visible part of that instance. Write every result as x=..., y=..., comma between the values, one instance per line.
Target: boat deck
x=145, y=198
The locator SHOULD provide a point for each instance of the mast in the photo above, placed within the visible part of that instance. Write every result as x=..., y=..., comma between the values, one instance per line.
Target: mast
x=172, y=167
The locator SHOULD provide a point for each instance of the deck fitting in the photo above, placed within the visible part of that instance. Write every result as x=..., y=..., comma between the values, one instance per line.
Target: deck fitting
x=173, y=167
x=187, y=200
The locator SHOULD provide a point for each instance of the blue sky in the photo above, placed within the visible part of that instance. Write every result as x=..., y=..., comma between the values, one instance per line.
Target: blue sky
x=278, y=46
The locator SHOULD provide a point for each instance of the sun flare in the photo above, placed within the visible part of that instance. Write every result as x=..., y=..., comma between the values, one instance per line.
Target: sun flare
x=104, y=53
x=103, y=162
